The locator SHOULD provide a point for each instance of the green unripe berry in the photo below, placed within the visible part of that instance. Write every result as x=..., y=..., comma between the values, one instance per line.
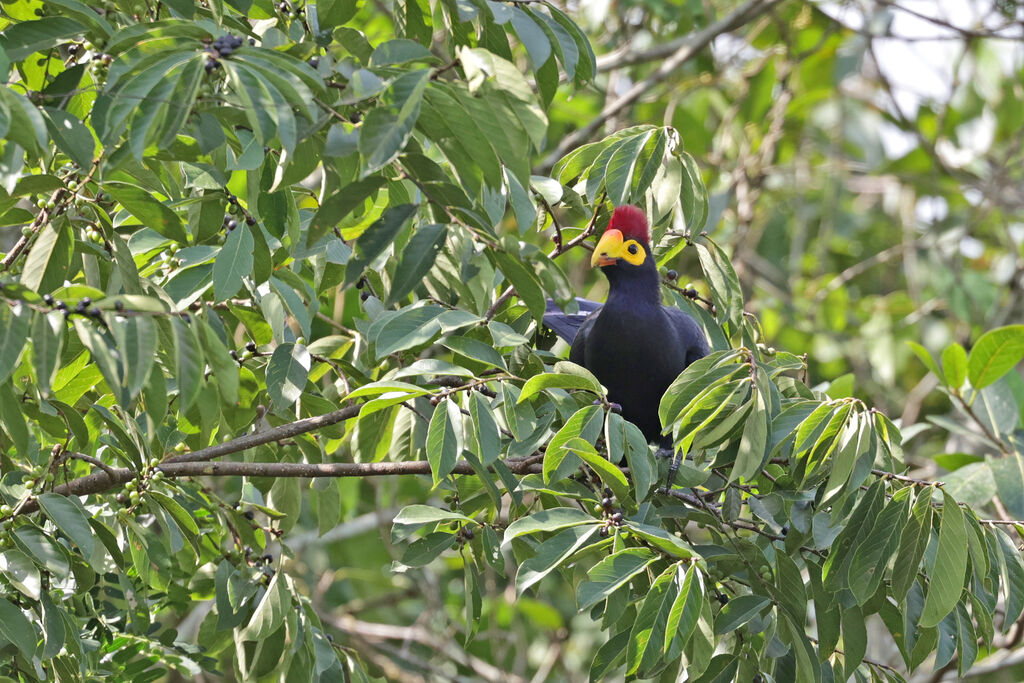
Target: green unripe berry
x=26, y=231
x=153, y=462
x=6, y=510
x=300, y=341
x=50, y=204
x=41, y=203
x=72, y=185
x=130, y=485
x=134, y=498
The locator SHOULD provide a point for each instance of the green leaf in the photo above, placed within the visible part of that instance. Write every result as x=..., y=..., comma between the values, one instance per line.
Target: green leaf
x=1008, y=472
x=486, y=429
x=340, y=205
x=233, y=263
x=532, y=37
x=913, y=541
x=650, y=627
x=686, y=609
x=70, y=135
x=47, y=342
x=399, y=51
x=136, y=338
x=693, y=196
x=610, y=475
x=739, y=611
x=150, y=212
x=411, y=327
x=475, y=349
x=14, y=325
x=525, y=282
x=21, y=572
x=17, y=629
x=947, y=576
x=954, y=365
x=555, y=380
x=189, y=364
x=70, y=517
x=22, y=38
x=418, y=515
x=46, y=265
x=385, y=132
x=926, y=358
x=551, y=519
x=443, y=439
x=418, y=257
x=873, y=554
x=753, y=442
x=287, y=373
x=612, y=573
x=551, y=554
x=376, y=238
x=661, y=539
x=994, y=354
x=855, y=640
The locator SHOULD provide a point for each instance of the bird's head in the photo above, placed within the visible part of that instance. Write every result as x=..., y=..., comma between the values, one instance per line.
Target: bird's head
x=625, y=242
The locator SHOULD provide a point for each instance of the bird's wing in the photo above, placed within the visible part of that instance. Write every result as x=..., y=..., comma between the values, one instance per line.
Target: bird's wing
x=566, y=325
x=690, y=333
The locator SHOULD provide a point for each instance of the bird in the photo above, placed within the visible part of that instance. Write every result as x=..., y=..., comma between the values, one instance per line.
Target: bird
x=633, y=344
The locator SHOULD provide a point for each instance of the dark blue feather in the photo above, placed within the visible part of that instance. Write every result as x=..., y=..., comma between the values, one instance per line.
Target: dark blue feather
x=566, y=325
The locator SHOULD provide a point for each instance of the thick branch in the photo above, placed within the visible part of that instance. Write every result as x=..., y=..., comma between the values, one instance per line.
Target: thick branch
x=686, y=50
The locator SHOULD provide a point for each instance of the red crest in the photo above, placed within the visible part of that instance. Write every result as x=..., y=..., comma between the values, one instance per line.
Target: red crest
x=631, y=222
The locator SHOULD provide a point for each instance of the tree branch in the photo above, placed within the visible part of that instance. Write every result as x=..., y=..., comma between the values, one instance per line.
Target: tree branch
x=685, y=50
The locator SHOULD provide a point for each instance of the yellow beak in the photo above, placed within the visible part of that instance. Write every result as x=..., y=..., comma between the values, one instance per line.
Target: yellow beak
x=608, y=250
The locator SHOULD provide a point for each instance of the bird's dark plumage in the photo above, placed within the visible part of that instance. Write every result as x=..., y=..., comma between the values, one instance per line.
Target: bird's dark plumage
x=633, y=344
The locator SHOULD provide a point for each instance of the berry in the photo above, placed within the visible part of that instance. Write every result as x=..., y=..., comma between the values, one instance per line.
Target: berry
x=467, y=533
x=211, y=65
x=615, y=408
x=95, y=313
x=231, y=224
x=48, y=299
x=314, y=62
x=671, y=275
x=250, y=515
x=86, y=301
x=617, y=518
x=250, y=221
x=61, y=306
x=41, y=203
x=119, y=305
x=606, y=502
x=250, y=347
x=26, y=231
x=363, y=296
x=233, y=354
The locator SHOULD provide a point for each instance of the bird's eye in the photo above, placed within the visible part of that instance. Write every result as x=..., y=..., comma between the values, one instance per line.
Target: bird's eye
x=633, y=249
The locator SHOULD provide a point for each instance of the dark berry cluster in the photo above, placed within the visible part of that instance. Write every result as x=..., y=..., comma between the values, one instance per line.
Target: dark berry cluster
x=613, y=516
x=83, y=307
x=224, y=46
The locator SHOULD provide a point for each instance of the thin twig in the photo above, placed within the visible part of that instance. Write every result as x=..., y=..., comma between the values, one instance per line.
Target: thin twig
x=693, y=44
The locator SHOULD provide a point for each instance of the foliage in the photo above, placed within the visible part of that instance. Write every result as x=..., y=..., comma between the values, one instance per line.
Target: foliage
x=268, y=289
